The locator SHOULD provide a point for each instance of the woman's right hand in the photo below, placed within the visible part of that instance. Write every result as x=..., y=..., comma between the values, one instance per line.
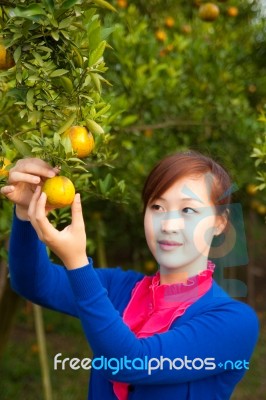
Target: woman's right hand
x=23, y=179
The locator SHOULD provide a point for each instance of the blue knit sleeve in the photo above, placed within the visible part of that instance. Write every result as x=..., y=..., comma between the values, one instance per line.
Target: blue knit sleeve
x=36, y=278
x=200, y=347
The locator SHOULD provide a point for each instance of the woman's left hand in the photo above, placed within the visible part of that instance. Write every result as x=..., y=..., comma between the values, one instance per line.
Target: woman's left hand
x=70, y=243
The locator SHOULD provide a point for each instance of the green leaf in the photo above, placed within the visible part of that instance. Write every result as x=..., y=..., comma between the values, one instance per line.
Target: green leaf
x=66, y=83
x=102, y=111
x=55, y=35
x=68, y=4
x=27, y=12
x=65, y=23
x=30, y=97
x=104, y=4
x=96, y=80
x=56, y=139
x=107, y=32
x=49, y=5
x=67, y=124
x=58, y=72
x=17, y=54
x=23, y=148
x=97, y=53
x=94, y=127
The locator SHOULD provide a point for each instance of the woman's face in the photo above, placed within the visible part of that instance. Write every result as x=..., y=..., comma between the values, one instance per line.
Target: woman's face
x=179, y=226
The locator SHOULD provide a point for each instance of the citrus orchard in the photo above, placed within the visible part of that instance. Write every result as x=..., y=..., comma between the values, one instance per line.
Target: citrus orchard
x=59, y=190
x=82, y=141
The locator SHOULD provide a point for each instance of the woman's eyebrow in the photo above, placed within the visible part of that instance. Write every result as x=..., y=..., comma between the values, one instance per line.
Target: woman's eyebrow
x=184, y=199
x=192, y=199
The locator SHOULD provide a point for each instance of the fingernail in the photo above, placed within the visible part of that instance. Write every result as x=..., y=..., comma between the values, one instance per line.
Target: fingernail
x=51, y=173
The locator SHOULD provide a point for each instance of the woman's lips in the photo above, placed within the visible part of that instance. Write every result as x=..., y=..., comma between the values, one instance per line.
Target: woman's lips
x=168, y=245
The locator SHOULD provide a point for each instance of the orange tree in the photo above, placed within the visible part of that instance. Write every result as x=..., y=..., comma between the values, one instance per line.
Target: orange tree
x=51, y=77
x=55, y=81
x=181, y=82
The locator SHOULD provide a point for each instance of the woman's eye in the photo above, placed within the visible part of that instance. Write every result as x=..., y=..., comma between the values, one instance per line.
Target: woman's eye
x=189, y=210
x=156, y=207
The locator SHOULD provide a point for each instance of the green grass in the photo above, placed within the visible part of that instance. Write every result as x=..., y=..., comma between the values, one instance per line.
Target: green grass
x=20, y=369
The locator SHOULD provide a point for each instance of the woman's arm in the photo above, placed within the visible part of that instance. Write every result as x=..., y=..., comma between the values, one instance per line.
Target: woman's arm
x=33, y=275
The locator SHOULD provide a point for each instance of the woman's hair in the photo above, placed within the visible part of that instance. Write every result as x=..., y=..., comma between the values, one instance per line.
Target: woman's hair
x=188, y=164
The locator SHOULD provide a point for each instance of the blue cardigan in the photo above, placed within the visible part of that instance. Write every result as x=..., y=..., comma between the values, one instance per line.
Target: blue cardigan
x=203, y=356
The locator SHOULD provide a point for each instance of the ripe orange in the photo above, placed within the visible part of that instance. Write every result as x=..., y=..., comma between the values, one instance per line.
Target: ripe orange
x=150, y=266
x=169, y=22
x=6, y=60
x=4, y=162
x=82, y=141
x=251, y=189
x=59, y=190
x=232, y=11
x=209, y=12
x=261, y=209
x=122, y=3
x=161, y=35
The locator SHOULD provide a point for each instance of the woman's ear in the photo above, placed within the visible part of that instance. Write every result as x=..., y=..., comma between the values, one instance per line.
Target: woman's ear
x=221, y=222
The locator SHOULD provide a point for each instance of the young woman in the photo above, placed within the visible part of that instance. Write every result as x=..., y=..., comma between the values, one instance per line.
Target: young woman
x=176, y=333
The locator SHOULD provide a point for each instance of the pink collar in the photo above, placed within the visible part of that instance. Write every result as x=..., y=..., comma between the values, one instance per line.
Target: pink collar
x=153, y=307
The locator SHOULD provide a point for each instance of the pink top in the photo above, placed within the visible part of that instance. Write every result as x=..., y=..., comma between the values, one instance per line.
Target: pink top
x=153, y=307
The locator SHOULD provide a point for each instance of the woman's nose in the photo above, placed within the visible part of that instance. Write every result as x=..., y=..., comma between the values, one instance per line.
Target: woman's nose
x=172, y=223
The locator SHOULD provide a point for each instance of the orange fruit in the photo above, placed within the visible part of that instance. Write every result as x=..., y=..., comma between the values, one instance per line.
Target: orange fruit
x=150, y=266
x=81, y=139
x=6, y=59
x=209, y=12
x=251, y=189
x=122, y=3
x=4, y=162
x=232, y=11
x=169, y=22
x=261, y=209
x=161, y=35
x=59, y=190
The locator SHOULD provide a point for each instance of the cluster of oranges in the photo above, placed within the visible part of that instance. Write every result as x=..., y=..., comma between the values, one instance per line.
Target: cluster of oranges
x=209, y=12
x=60, y=190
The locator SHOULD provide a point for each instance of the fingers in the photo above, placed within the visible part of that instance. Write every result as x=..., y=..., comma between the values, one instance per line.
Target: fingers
x=29, y=170
x=77, y=216
x=37, y=216
x=6, y=190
